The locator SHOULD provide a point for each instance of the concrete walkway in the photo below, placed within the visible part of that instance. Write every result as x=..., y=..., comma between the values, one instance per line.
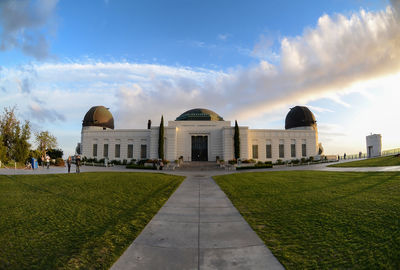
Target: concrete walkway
x=197, y=228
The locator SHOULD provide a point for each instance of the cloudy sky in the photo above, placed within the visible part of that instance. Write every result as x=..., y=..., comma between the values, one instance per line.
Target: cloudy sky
x=246, y=60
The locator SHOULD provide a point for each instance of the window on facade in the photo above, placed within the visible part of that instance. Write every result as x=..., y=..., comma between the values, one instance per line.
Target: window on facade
x=117, y=150
x=105, y=150
x=95, y=150
x=304, y=150
x=130, y=150
x=281, y=150
x=268, y=150
x=143, y=151
x=293, y=148
x=255, y=151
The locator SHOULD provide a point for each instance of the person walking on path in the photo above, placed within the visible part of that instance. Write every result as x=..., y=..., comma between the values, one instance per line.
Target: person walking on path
x=78, y=163
x=69, y=161
x=42, y=161
x=48, y=161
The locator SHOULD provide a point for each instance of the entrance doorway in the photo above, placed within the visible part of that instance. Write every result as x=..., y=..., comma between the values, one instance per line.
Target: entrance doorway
x=369, y=151
x=199, y=148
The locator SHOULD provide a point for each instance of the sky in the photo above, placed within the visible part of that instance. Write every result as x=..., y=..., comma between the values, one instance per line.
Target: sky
x=249, y=61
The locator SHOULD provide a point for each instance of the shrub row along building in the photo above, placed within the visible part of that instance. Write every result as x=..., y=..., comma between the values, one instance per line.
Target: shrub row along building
x=200, y=135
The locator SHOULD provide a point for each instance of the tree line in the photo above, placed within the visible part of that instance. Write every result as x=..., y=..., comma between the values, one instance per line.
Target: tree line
x=15, y=136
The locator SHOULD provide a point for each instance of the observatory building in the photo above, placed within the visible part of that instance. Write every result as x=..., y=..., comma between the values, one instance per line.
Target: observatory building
x=199, y=135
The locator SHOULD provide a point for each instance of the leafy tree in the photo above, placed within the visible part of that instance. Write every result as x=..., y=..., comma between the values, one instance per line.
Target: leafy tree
x=236, y=141
x=55, y=153
x=15, y=136
x=161, y=139
x=3, y=150
x=45, y=142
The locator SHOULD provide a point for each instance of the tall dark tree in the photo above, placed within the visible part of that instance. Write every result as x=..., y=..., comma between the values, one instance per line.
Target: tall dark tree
x=161, y=139
x=236, y=141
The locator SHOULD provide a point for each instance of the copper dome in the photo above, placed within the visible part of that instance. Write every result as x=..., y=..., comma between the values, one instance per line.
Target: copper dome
x=300, y=116
x=98, y=116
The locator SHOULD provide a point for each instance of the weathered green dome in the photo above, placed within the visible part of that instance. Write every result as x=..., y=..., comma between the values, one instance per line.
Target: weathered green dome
x=98, y=116
x=199, y=115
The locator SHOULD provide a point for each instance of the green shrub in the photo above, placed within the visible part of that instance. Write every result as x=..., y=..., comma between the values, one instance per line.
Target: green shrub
x=279, y=162
x=60, y=162
x=115, y=162
x=295, y=161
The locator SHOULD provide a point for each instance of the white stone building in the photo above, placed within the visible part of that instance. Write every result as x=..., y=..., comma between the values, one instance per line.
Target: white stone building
x=199, y=135
x=374, y=145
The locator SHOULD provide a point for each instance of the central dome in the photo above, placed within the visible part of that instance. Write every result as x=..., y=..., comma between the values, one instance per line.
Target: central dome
x=199, y=115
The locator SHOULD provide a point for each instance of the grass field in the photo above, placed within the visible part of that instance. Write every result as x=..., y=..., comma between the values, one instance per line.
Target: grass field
x=322, y=220
x=71, y=221
x=371, y=162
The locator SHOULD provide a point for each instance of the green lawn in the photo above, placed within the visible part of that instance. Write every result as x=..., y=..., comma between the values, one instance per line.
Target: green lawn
x=71, y=221
x=325, y=220
x=371, y=162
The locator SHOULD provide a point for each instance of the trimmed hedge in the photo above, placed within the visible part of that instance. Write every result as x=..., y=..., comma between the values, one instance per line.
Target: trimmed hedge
x=141, y=167
x=263, y=166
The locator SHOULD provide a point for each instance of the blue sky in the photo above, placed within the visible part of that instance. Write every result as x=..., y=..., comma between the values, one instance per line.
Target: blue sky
x=246, y=60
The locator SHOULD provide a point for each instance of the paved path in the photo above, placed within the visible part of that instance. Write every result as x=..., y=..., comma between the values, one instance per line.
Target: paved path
x=197, y=228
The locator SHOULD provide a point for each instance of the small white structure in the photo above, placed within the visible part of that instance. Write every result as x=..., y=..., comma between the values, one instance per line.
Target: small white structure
x=200, y=135
x=374, y=145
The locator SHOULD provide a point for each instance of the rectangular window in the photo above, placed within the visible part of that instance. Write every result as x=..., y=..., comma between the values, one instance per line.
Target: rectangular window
x=281, y=149
x=143, y=151
x=255, y=151
x=117, y=150
x=293, y=148
x=95, y=150
x=268, y=150
x=130, y=150
x=105, y=150
x=304, y=150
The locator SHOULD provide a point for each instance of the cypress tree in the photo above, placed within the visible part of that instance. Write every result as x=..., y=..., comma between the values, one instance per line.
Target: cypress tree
x=236, y=141
x=161, y=139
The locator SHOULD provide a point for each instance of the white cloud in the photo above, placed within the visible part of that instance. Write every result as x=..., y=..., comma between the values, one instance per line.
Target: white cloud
x=223, y=37
x=24, y=25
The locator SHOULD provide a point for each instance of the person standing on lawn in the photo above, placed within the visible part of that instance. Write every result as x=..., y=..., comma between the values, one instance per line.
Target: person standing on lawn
x=78, y=163
x=69, y=161
x=48, y=161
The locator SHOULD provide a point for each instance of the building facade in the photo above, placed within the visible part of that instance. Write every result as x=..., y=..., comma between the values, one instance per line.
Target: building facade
x=199, y=135
x=374, y=145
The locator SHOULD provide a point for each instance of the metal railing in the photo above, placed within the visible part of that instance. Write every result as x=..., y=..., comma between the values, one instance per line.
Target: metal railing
x=389, y=152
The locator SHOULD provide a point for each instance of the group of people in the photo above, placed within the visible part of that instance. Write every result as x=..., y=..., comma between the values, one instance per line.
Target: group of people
x=77, y=163
x=45, y=161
